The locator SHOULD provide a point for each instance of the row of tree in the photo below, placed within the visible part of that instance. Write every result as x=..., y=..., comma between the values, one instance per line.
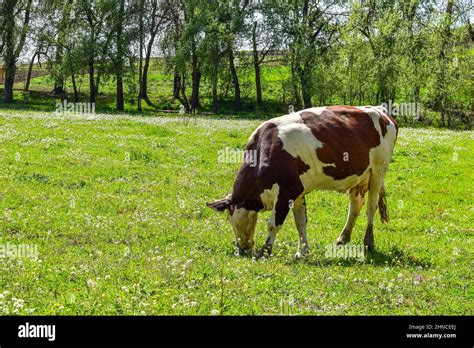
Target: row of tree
x=365, y=51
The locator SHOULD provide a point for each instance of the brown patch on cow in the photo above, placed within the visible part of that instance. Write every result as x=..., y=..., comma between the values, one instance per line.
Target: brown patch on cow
x=221, y=204
x=274, y=166
x=347, y=134
x=385, y=121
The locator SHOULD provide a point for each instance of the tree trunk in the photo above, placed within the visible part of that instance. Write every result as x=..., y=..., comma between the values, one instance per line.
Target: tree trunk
x=9, y=47
x=235, y=80
x=441, y=97
x=144, y=85
x=176, y=84
x=92, y=87
x=74, y=86
x=10, y=71
x=215, y=97
x=97, y=81
x=196, y=80
x=119, y=62
x=30, y=69
x=294, y=80
x=256, y=64
x=146, y=66
x=10, y=67
x=58, y=74
x=306, y=87
x=120, y=98
x=182, y=93
x=140, y=66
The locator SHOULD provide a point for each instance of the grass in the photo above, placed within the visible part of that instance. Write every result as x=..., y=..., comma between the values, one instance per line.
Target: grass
x=116, y=207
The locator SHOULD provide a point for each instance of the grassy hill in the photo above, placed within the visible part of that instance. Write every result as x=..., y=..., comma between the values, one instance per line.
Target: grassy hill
x=160, y=89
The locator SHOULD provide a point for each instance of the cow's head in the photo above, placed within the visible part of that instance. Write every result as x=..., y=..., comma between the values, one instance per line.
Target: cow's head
x=243, y=222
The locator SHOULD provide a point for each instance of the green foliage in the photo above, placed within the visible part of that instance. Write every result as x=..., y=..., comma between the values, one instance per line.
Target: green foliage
x=321, y=53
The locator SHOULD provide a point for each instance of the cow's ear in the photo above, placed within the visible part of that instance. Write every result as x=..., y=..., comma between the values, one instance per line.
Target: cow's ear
x=221, y=204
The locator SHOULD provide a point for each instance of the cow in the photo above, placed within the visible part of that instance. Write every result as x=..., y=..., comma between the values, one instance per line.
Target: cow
x=336, y=148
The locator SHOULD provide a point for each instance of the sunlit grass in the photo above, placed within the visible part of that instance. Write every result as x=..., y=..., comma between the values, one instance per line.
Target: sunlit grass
x=116, y=206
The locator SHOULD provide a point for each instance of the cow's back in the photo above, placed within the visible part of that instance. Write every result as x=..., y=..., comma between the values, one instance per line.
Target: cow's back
x=331, y=148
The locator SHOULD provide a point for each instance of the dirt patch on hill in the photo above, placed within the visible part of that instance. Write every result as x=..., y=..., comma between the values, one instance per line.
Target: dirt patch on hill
x=22, y=74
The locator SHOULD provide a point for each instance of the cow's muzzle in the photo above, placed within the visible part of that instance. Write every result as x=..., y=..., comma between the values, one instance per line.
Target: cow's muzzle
x=246, y=250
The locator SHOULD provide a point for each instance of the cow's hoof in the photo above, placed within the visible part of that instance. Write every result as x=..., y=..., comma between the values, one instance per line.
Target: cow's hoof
x=370, y=248
x=299, y=255
x=265, y=252
x=343, y=238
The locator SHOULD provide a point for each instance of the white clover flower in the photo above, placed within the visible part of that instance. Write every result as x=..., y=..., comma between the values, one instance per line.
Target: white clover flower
x=18, y=303
x=418, y=279
x=92, y=284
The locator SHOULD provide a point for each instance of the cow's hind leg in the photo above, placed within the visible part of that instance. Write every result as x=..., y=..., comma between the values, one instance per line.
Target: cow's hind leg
x=375, y=185
x=299, y=213
x=356, y=201
x=279, y=213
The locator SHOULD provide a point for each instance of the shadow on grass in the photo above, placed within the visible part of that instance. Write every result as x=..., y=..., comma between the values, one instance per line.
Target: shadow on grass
x=45, y=101
x=395, y=257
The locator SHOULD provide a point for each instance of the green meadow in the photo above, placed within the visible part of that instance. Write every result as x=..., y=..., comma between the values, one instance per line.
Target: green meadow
x=115, y=206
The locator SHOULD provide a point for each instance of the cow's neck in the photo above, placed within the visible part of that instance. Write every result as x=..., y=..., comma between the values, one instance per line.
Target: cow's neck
x=246, y=192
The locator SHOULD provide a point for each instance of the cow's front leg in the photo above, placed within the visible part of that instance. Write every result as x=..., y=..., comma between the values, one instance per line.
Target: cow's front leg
x=299, y=213
x=279, y=213
x=356, y=201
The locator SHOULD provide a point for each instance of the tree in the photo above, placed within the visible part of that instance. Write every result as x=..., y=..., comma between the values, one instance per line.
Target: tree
x=15, y=24
x=236, y=13
x=184, y=39
x=310, y=29
x=119, y=56
x=214, y=47
x=266, y=35
x=154, y=14
x=93, y=14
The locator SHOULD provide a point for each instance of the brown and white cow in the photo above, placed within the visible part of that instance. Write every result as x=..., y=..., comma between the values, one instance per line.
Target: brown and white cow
x=336, y=148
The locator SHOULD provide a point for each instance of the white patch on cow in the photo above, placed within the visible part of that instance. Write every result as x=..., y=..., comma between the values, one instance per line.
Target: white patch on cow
x=243, y=222
x=297, y=137
x=269, y=197
x=374, y=116
x=381, y=154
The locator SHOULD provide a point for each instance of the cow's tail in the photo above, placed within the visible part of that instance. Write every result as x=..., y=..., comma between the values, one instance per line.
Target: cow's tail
x=383, y=206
